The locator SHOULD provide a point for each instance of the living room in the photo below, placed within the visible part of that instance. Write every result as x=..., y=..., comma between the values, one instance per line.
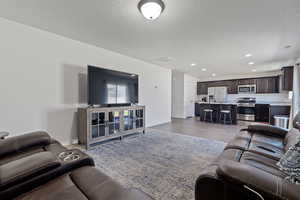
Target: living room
x=190, y=67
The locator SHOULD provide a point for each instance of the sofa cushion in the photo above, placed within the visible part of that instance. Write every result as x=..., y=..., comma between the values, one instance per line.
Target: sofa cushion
x=92, y=183
x=269, y=140
x=259, y=181
x=62, y=188
x=261, y=162
x=25, y=168
x=86, y=183
x=266, y=150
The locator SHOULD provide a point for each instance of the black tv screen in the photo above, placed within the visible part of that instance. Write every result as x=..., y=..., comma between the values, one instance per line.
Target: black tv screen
x=108, y=87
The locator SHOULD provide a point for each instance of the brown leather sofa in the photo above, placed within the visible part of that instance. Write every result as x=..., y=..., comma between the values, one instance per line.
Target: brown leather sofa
x=247, y=167
x=34, y=166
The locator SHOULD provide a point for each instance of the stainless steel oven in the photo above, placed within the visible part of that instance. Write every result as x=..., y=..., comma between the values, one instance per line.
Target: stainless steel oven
x=246, y=109
x=247, y=89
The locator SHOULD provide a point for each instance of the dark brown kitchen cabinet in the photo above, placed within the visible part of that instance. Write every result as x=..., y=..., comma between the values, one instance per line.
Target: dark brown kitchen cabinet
x=263, y=85
x=249, y=81
x=273, y=84
x=262, y=113
x=267, y=85
x=287, y=78
x=202, y=88
x=232, y=86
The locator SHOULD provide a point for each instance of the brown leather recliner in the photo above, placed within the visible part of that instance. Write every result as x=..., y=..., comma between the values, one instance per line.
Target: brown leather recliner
x=247, y=167
x=34, y=166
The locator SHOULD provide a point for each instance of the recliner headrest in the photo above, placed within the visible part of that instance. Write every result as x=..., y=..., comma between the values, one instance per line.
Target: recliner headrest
x=19, y=143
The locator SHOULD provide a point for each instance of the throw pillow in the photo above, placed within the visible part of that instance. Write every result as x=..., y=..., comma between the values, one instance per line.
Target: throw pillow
x=290, y=164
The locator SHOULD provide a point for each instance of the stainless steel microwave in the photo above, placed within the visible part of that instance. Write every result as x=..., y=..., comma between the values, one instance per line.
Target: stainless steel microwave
x=247, y=89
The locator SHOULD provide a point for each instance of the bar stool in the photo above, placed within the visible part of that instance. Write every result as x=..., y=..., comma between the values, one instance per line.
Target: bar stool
x=225, y=111
x=208, y=111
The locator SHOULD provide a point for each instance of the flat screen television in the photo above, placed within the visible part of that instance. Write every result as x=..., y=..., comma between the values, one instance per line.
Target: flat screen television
x=109, y=87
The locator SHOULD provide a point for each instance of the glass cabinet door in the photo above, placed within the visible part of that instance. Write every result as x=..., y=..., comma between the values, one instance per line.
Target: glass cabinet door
x=113, y=122
x=129, y=121
x=139, y=120
x=98, y=124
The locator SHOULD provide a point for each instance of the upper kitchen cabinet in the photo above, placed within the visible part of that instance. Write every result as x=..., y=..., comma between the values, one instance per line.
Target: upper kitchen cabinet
x=202, y=88
x=287, y=78
x=263, y=85
x=232, y=86
x=249, y=81
x=267, y=85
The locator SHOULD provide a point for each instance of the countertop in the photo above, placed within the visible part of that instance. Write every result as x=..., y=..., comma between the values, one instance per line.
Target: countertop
x=258, y=102
x=275, y=103
x=224, y=103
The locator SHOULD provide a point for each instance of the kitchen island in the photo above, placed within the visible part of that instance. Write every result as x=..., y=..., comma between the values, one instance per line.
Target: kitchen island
x=216, y=107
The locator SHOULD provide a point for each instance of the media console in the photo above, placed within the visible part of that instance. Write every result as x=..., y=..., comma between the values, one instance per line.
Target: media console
x=104, y=123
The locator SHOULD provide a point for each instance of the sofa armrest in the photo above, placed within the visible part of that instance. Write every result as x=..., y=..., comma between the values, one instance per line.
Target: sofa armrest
x=268, y=130
x=19, y=143
x=3, y=134
x=297, y=125
x=26, y=168
x=258, y=181
x=208, y=186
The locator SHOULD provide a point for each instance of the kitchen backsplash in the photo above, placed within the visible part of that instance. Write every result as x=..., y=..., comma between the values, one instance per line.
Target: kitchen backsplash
x=280, y=97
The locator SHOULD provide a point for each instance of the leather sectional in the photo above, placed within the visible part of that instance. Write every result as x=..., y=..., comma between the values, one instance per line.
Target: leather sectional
x=247, y=167
x=35, y=166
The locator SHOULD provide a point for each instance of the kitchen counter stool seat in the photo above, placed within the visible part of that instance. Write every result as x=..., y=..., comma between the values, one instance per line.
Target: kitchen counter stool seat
x=208, y=112
x=225, y=112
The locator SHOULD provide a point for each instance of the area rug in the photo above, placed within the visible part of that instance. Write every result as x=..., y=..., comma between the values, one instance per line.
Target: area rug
x=161, y=164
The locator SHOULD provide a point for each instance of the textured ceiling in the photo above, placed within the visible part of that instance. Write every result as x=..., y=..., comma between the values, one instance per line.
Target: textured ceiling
x=212, y=33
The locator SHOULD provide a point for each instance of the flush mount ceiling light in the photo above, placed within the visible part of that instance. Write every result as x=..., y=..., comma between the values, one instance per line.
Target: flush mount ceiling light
x=248, y=55
x=251, y=63
x=214, y=74
x=204, y=69
x=288, y=46
x=193, y=64
x=151, y=9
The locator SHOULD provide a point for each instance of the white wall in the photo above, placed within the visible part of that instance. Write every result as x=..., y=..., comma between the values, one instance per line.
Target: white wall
x=43, y=79
x=190, y=95
x=177, y=94
x=184, y=94
x=296, y=89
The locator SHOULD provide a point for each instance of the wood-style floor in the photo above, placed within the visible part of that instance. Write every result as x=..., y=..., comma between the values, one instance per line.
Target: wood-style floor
x=194, y=127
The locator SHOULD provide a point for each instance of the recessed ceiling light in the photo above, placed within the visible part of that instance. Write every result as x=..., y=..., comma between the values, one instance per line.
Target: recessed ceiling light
x=214, y=74
x=254, y=70
x=164, y=59
x=248, y=55
x=204, y=69
x=193, y=64
x=251, y=63
x=151, y=9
